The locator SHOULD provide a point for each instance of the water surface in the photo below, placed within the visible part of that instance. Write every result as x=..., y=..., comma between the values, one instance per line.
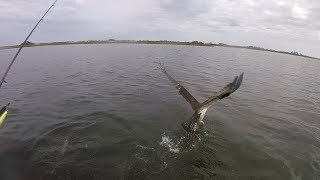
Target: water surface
x=105, y=112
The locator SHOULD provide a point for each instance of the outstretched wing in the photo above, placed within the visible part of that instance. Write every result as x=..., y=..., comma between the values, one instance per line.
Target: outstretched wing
x=183, y=91
x=226, y=91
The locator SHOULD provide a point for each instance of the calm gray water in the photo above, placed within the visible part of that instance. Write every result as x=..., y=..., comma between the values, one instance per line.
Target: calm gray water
x=105, y=112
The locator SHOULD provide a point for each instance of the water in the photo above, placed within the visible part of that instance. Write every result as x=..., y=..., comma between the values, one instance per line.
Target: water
x=105, y=112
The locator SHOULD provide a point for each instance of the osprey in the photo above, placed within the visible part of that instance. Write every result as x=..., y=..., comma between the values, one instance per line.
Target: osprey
x=195, y=123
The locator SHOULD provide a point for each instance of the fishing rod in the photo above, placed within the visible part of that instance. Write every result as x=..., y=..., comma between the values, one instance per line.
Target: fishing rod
x=3, y=111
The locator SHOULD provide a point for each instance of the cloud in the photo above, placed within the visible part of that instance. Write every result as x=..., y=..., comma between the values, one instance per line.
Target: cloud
x=300, y=9
x=277, y=24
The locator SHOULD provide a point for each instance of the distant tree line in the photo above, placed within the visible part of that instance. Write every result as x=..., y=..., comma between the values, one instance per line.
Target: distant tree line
x=192, y=43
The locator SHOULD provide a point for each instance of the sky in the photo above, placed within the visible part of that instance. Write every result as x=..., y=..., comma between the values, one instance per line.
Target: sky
x=289, y=25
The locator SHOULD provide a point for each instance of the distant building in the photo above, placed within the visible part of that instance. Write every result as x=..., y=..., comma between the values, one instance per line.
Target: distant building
x=28, y=43
x=296, y=53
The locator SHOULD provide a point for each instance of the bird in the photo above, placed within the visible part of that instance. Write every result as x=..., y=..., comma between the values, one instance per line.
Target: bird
x=195, y=123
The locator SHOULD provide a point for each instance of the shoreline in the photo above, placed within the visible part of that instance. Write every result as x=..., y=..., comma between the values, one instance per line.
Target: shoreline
x=193, y=43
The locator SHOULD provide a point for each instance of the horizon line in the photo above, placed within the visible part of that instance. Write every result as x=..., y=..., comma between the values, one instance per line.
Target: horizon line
x=168, y=42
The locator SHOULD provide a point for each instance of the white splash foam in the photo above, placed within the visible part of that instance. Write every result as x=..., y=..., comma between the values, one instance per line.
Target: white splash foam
x=167, y=142
x=64, y=148
x=144, y=147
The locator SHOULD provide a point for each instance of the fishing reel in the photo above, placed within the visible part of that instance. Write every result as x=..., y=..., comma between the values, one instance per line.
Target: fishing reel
x=3, y=114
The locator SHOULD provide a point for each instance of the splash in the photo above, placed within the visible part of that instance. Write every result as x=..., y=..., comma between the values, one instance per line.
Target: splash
x=64, y=148
x=144, y=147
x=167, y=142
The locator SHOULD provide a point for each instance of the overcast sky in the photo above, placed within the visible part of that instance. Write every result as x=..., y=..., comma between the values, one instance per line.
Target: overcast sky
x=291, y=25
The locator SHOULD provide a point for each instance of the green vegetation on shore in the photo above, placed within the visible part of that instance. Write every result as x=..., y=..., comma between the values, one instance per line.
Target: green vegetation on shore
x=192, y=43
